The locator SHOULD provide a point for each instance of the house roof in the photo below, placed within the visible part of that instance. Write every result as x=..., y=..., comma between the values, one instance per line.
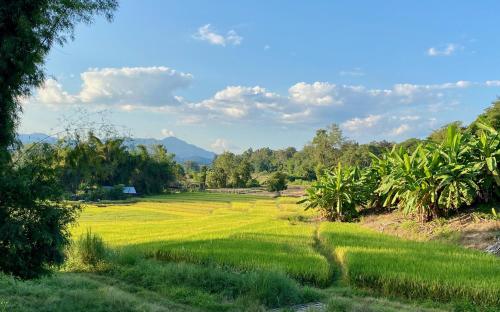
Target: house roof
x=129, y=190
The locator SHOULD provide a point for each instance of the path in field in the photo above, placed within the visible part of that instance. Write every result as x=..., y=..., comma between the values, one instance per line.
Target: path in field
x=254, y=233
x=327, y=252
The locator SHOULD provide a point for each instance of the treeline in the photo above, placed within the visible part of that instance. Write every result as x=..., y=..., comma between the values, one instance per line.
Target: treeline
x=84, y=164
x=456, y=167
x=327, y=148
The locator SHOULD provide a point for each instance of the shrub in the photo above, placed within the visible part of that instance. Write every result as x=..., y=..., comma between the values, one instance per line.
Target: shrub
x=276, y=182
x=90, y=249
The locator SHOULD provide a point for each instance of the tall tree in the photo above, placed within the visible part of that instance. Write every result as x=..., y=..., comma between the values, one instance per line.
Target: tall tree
x=33, y=220
x=29, y=29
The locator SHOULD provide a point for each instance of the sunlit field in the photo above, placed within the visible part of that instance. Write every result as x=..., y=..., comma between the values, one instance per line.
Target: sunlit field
x=249, y=233
x=413, y=269
x=245, y=234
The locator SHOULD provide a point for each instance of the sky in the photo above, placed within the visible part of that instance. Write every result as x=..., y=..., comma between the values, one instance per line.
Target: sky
x=230, y=75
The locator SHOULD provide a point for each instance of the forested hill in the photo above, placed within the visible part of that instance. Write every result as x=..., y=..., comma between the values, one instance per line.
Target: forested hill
x=183, y=151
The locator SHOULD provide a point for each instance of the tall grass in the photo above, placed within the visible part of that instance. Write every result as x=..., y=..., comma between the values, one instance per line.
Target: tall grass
x=272, y=289
x=430, y=270
x=87, y=253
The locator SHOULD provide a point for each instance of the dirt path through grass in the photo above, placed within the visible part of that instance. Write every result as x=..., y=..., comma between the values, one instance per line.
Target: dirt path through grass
x=335, y=270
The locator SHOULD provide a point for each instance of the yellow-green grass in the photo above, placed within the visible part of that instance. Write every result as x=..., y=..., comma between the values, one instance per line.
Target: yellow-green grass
x=252, y=233
x=429, y=270
x=241, y=232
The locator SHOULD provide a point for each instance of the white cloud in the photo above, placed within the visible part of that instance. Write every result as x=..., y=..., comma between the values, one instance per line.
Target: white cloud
x=167, y=133
x=233, y=38
x=396, y=126
x=446, y=50
x=297, y=117
x=318, y=93
x=409, y=117
x=206, y=33
x=358, y=124
x=493, y=83
x=237, y=102
x=401, y=110
x=127, y=87
x=127, y=107
x=267, y=47
x=191, y=120
x=52, y=93
x=221, y=145
x=400, y=130
x=138, y=85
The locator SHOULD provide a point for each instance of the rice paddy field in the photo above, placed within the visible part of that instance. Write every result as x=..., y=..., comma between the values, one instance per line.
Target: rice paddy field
x=227, y=252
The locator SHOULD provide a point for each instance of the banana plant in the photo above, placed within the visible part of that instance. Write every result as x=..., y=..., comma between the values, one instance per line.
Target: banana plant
x=457, y=173
x=486, y=157
x=403, y=186
x=334, y=194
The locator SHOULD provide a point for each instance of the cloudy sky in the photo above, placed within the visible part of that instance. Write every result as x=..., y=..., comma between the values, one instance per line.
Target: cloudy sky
x=228, y=75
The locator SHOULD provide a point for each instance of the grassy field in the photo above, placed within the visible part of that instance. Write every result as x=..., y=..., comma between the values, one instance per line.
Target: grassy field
x=225, y=252
x=413, y=269
x=247, y=234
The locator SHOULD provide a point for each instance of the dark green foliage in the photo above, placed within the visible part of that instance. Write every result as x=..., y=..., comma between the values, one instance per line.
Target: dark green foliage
x=229, y=170
x=101, y=193
x=153, y=172
x=435, y=179
x=327, y=148
x=33, y=219
x=276, y=182
x=86, y=163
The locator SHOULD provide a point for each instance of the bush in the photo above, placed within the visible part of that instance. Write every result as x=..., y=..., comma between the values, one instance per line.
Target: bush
x=276, y=182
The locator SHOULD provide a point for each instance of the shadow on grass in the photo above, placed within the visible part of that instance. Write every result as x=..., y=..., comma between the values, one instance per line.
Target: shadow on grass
x=290, y=254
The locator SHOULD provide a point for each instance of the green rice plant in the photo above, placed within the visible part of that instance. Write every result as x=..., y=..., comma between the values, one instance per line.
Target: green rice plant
x=430, y=270
x=244, y=235
x=252, y=235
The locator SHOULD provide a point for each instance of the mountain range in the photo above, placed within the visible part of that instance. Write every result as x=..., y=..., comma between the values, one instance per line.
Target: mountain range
x=183, y=150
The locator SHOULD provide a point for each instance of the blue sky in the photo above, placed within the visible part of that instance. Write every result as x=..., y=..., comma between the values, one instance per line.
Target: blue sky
x=238, y=74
